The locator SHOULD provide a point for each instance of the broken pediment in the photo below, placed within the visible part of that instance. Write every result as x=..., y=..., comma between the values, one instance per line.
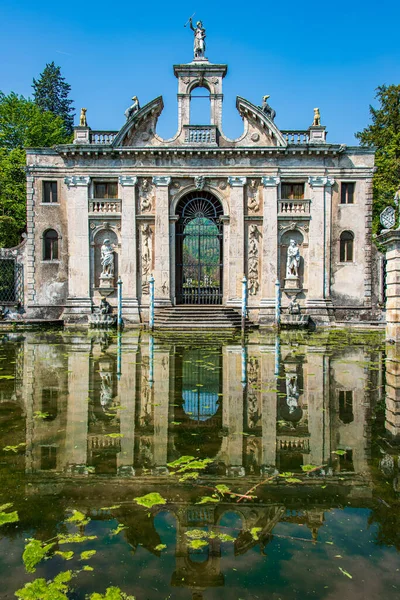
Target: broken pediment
x=259, y=128
x=139, y=129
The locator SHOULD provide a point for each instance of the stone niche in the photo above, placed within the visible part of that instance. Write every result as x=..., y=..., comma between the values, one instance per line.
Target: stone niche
x=99, y=238
x=296, y=235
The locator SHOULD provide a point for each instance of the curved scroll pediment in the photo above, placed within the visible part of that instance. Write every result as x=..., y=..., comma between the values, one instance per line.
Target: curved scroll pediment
x=139, y=129
x=256, y=120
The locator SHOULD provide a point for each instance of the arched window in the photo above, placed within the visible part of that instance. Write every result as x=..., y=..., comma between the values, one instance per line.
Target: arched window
x=346, y=246
x=50, y=245
x=200, y=106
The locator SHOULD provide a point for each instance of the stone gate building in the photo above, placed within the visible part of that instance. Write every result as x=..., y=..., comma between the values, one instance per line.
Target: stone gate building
x=199, y=211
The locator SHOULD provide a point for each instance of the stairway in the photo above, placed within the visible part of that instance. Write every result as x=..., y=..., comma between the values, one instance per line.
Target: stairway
x=189, y=317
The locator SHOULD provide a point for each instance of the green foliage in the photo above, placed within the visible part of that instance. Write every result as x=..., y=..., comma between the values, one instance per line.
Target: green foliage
x=40, y=589
x=160, y=547
x=14, y=448
x=112, y=593
x=254, y=531
x=384, y=134
x=118, y=530
x=34, y=552
x=12, y=196
x=11, y=517
x=78, y=518
x=23, y=124
x=197, y=544
x=207, y=500
x=66, y=555
x=150, y=500
x=308, y=468
x=72, y=538
x=51, y=93
x=87, y=554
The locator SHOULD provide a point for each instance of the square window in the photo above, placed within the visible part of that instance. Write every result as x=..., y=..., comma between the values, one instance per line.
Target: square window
x=50, y=194
x=347, y=193
x=292, y=191
x=106, y=189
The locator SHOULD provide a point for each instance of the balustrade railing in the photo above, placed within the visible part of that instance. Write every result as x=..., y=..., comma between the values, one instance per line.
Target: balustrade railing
x=102, y=137
x=201, y=134
x=103, y=441
x=293, y=445
x=296, y=136
x=104, y=206
x=293, y=207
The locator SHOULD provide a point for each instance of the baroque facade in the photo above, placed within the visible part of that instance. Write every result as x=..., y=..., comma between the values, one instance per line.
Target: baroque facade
x=198, y=212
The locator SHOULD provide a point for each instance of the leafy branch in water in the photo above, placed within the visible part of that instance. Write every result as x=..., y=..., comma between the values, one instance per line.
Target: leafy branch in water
x=7, y=517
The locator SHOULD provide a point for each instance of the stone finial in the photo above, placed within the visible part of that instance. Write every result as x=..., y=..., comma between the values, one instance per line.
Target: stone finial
x=317, y=118
x=82, y=118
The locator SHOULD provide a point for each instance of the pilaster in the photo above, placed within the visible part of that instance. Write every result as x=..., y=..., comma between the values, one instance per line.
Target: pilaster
x=270, y=258
x=79, y=301
x=162, y=259
x=391, y=240
x=128, y=257
x=318, y=299
x=236, y=240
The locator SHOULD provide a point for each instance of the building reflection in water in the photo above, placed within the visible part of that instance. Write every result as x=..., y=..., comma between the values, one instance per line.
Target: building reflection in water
x=125, y=407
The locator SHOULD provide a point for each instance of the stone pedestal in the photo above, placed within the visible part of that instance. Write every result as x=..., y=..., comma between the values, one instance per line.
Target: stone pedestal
x=292, y=285
x=106, y=284
x=391, y=240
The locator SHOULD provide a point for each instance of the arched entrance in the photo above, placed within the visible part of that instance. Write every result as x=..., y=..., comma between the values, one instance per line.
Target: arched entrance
x=199, y=246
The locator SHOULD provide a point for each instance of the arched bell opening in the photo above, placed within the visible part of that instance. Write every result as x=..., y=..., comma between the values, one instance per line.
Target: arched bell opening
x=199, y=249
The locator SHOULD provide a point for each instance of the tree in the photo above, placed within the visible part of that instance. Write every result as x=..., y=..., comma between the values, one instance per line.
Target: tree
x=384, y=135
x=23, y=124
x=50, y=93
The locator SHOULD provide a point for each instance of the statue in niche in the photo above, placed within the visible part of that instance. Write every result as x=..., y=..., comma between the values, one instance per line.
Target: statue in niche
x=199, y=39
x=293, y=260
x=317, y=118
x=292, y=393
x=105, y=307
x=134, y=108
x=267, y=109
x=106, y=388
x=107, y=260
x=82, y=118
x=146, y=254
x=294, y=306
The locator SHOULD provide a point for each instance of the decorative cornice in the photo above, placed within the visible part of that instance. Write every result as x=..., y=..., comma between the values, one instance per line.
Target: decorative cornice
x=321, y=181
x=237, y=181
x=127, y=180
x=270, y=181
x=77, y=181
x=160, y=181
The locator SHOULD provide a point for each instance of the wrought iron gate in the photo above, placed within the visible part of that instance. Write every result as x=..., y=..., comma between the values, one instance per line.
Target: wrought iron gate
x=11, y=282
x=199, y=245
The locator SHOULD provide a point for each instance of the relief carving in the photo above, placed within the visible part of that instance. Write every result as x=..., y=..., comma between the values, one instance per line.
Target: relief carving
x=253, y=271
x=145, y=196
x=253, y=202
x=146, y=257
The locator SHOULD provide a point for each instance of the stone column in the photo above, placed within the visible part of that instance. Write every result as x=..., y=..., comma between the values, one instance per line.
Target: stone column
x=77, y=409
x=127, y=397
x=391, y=240
x=315, y=400
x=161, y=404
x=270, y=258
x=319, y=248
x=236, y=265
x=268, y=410
x=233, y=406
x=128, y=256
x=162, y=243
x=78, y=302
x=392, y=389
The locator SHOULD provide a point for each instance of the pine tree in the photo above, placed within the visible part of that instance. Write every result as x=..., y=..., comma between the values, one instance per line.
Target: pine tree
x=51, y=92
x=384, y=135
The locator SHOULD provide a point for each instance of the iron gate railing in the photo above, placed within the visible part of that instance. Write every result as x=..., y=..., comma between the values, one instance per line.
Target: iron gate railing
x=199, y=245
x=11, y=282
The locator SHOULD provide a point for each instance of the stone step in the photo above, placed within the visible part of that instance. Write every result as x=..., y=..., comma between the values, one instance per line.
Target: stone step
x=197, y=317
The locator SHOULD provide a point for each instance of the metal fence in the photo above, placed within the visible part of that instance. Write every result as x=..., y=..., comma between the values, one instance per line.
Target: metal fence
x=11, y=282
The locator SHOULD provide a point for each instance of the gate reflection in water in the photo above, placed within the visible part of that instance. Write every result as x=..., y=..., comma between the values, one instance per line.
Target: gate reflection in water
x=116, y=410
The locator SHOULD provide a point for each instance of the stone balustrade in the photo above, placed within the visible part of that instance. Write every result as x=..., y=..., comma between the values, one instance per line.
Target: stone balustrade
x=103, y=441
x=293, y=208
x=104, y=206
x=296, y=136
x=102, y=137
x=290, y=444
x=200, y=134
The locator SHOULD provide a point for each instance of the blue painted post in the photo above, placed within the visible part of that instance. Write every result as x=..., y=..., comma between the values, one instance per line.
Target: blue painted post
x=151, y=307
x=244, y=365
x=277, y=354
x=151, y=361
x=278, y=304
x=119, y=355
x=244, y=303
x=120, y=322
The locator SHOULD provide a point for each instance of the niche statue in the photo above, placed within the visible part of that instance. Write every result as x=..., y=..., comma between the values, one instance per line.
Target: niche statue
x=107, y=260
x=293, y=260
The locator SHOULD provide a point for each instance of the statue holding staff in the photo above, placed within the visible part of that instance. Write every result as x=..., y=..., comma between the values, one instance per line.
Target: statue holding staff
x=293, y=260
x=199, y=39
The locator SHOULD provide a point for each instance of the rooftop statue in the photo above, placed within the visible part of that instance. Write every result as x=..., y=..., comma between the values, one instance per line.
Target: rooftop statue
x=317, y=118
x=267, y=109
x=133, y=108
x=199, y=39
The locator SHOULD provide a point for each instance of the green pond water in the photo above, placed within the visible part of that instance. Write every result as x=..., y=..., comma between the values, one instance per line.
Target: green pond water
x=197, y=466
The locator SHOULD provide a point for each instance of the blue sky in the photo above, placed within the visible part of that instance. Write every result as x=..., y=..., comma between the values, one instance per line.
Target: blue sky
x=304, y=54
